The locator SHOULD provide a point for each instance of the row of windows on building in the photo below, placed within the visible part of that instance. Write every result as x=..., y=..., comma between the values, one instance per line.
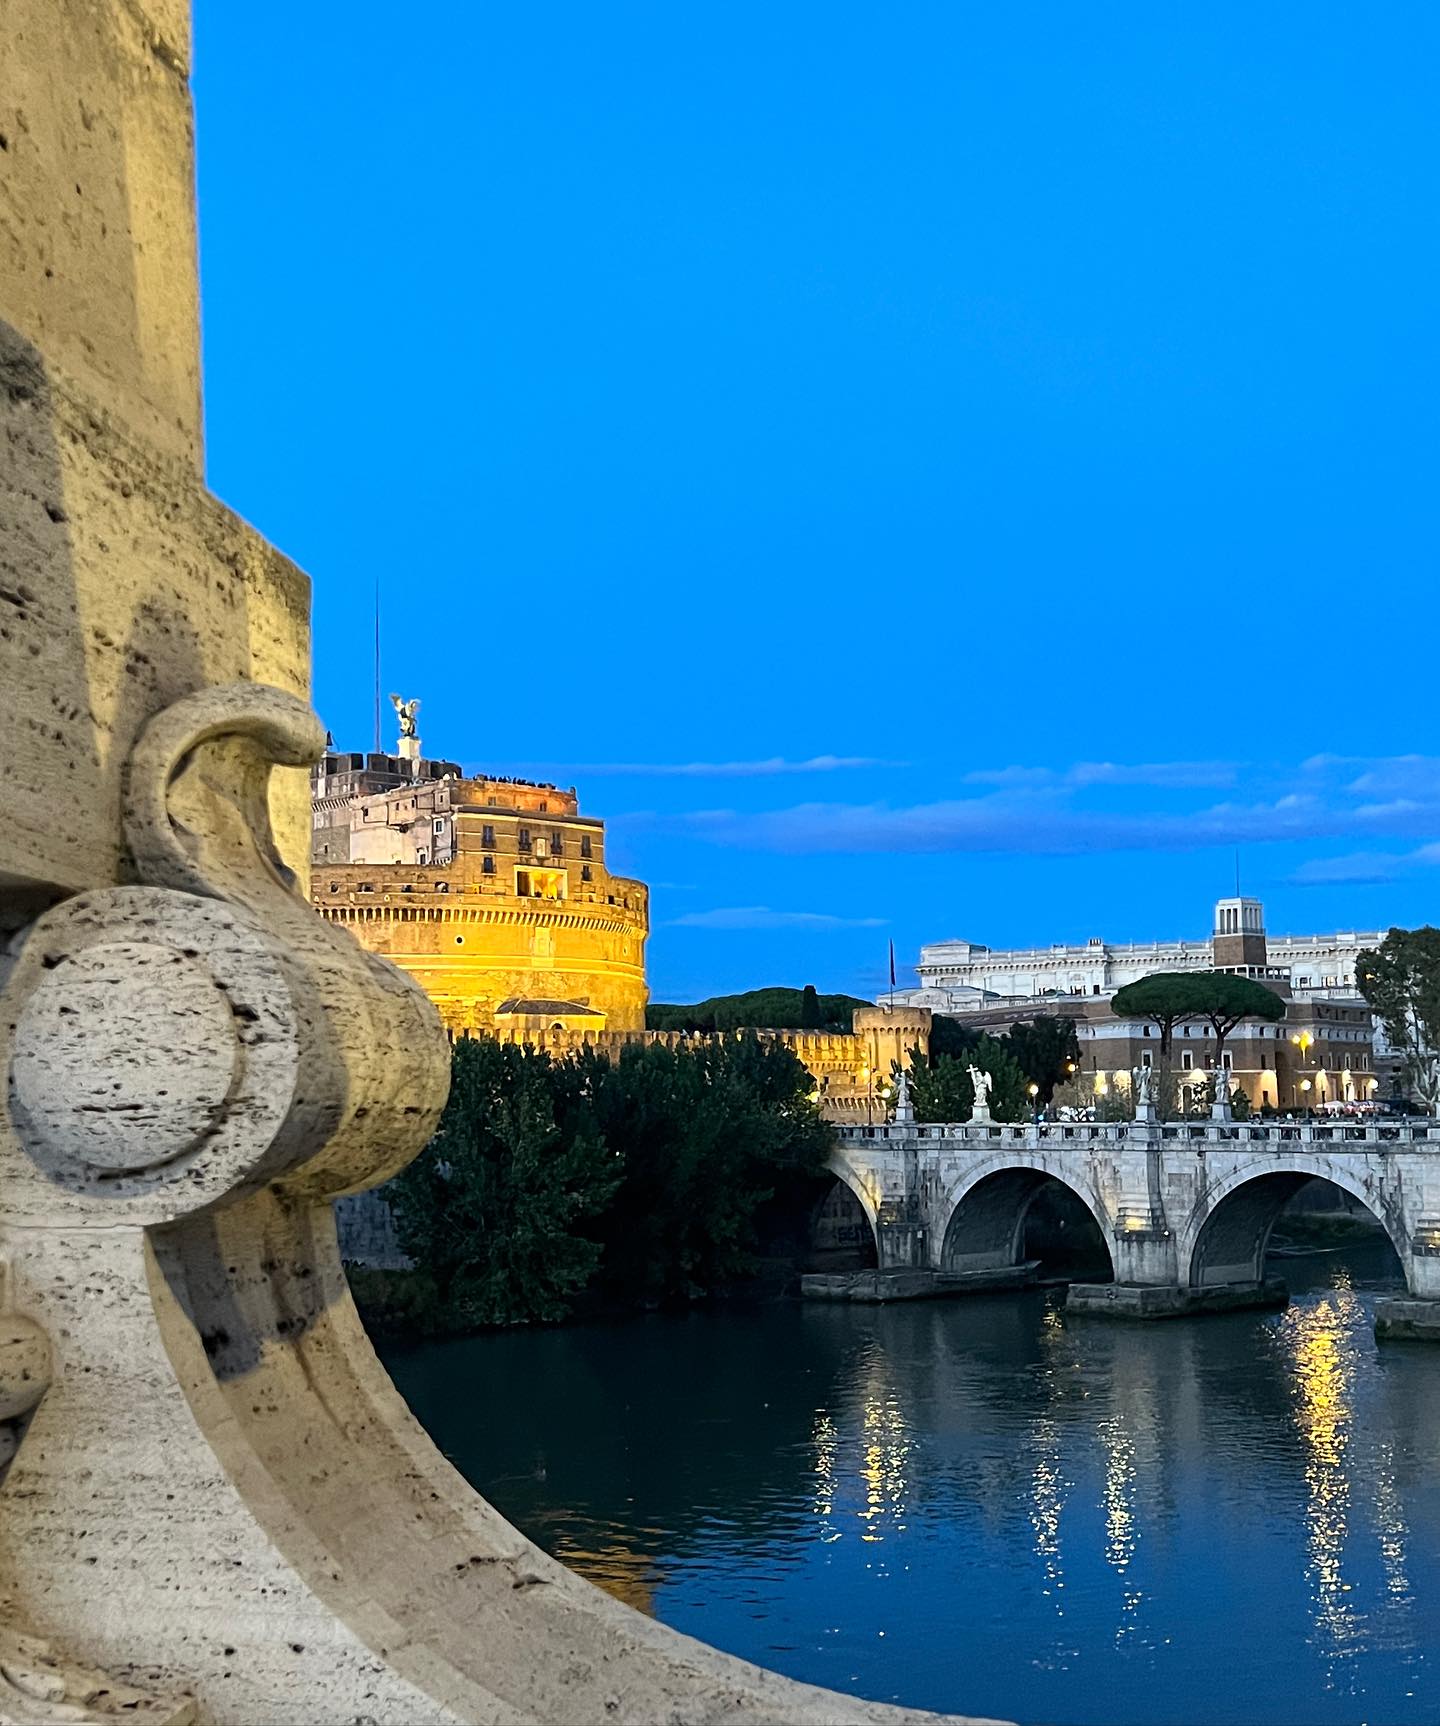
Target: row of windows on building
x=1227, y=1061
x=1277, y=1033
x=528, y=842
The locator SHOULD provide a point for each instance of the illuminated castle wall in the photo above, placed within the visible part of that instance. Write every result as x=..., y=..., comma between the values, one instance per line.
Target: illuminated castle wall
x=492, y=893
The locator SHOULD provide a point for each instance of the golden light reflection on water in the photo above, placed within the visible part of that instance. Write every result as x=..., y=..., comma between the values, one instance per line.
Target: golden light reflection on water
x=885, y=1467
x=826, y=1440
x=1320, y=1340
x=1048, y=1486
x=883, y=1476
x=1122, y=1533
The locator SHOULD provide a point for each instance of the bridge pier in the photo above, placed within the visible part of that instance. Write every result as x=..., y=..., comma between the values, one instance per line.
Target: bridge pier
x=1406, y=1320
x=1169, y=1300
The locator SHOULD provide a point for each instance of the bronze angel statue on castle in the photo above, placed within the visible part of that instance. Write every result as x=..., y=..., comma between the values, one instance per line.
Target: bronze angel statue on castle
x=407, y=711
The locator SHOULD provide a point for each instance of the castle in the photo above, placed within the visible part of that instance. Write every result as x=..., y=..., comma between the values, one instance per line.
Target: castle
x=492, y=893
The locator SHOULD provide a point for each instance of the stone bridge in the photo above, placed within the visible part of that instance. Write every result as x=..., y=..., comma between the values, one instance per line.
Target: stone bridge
x=1184, y=1209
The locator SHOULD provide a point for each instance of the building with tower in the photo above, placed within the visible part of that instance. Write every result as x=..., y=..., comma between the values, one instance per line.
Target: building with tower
x=1326, y=1051
x=493, y=893
x=963, y=973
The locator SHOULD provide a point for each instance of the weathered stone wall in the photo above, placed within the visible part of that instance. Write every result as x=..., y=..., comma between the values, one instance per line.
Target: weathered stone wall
x=123, y=586
x=478, y=943
x=365, y=1229
x=96, y=207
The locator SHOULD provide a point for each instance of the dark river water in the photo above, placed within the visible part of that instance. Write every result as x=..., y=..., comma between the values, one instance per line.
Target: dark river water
x=981, y=1505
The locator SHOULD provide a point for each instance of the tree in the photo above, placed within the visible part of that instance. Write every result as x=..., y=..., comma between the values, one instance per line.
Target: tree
x=1048, y=1052
x=950, y=1037
x=1400, y=980
x=1222, y=999
x=495, y=1209
x=941, y=1088
x=709, y=1132
x=810, y=1015
x=1163, y=998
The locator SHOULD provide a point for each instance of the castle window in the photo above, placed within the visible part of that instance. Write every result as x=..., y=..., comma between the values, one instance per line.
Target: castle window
x=584, y=844
x=557, y=844
x=522, y=883
x=487, y=866
x=524, y=838
x=544, y=807
x=334, y=886
x=438, y=826
x=584, y=871
x=487, y=837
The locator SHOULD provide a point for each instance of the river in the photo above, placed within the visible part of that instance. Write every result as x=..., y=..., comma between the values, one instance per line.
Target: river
x=980, y=1505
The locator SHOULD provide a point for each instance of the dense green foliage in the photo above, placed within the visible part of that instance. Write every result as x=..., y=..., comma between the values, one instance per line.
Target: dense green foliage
x=1171, y=998
x=708, y=1133
x=1400, y=979
x=1047, y=1051
x=766, y=1009
x=640, y=1178
x=497, y=1207
x=941, y=1088
x=1043, y=1051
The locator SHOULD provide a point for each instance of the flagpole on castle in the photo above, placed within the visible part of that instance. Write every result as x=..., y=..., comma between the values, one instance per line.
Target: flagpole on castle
x=891, y=1007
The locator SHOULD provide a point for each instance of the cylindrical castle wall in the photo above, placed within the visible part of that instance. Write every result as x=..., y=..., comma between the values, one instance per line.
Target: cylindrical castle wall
x=468, y=963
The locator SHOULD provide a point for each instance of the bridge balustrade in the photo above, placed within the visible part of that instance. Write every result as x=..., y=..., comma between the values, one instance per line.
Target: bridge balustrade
x=1418, y=1135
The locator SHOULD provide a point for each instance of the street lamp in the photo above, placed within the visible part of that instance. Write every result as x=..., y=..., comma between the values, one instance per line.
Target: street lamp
x=1035, y=1102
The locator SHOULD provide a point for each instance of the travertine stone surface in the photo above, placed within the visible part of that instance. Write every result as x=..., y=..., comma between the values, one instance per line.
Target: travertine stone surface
x=97, y=231
x=123, y=586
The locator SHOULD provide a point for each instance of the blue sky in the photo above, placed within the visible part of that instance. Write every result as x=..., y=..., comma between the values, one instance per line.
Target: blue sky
x=920, y=470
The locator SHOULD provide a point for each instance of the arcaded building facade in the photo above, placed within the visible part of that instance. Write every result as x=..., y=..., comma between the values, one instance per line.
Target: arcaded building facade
x=492, y=893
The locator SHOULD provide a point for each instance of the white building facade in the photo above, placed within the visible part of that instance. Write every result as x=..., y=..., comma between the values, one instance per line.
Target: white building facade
x=959, y=975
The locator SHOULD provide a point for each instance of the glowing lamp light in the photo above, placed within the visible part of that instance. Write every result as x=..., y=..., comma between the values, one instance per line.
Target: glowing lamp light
x=1304, y=1084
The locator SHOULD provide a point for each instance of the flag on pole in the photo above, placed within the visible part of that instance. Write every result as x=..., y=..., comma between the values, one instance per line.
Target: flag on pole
x=892, y=964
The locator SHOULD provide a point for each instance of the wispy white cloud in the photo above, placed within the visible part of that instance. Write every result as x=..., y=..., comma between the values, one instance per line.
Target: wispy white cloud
x=1159, y=775
x=1401, y=776
x=1061, y=820
x=762, y=917
x=1365, y=868
x=769, y=768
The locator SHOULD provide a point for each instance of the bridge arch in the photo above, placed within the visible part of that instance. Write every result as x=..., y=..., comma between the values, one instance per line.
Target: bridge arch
x=987, y=1210
x=850, y=1177
x=1225, y=1238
